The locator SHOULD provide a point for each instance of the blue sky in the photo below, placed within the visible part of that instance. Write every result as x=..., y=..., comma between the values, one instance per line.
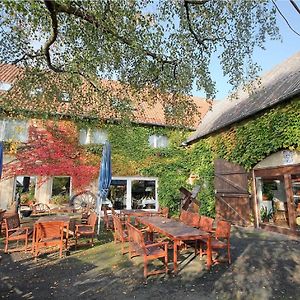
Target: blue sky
x=275, y=52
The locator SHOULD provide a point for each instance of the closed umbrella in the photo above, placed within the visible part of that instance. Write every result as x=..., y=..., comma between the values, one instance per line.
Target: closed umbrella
x=104, y=179
x=1, y=158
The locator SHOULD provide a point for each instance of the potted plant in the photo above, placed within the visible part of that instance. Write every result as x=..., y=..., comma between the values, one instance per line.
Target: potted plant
x=265, y=214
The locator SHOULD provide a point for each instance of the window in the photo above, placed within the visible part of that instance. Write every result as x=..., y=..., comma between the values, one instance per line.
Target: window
x=25, y=189
x=92, y=136
x=133, y=193
x=61, y=186
x=35, y=92
x=5, y=86
x=64, y=97
x=15, y=130
x=158, y=141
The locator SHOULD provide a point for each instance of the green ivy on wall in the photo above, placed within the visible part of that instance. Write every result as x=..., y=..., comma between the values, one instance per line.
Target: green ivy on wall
x=250, y=142
x=246, y=144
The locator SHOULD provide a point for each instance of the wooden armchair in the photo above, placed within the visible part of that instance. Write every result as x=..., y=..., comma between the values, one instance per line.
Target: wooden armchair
x=14, y=232
x=149, y=251
x=190, y=219
x=220, y=240
x=206, y=223
x=86, y=230
x=50, y=234
x=120, y=235
x=108, y=221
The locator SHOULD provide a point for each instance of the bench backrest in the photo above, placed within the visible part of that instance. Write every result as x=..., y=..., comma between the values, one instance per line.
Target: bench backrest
x=223, y=230
x=136, y=237
x=92, y=220
x=118, y=227
x=11, y=222
x=190, y=218
x=206, y=223
x=49, y=230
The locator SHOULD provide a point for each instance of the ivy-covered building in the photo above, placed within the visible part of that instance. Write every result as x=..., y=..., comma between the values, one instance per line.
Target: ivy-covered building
x=53, y=146
x=253, y=141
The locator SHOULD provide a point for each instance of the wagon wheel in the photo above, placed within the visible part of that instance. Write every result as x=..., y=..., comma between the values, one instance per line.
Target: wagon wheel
x=85, y=200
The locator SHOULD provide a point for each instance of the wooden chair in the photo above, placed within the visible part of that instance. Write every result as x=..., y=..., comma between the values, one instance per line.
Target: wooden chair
x=149, y=251
x=14, y=232
x=220, y=240
x=206, y=223
x=86, y=230
x=108, y=221
x=164, y=212
x=120, y=235
x=50, y=234
x=190, y=219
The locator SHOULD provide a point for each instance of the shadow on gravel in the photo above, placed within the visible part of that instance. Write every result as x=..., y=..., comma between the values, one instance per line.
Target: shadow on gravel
x=264, y=266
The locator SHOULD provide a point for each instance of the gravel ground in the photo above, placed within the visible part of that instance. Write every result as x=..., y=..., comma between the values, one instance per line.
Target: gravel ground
x=265, y=266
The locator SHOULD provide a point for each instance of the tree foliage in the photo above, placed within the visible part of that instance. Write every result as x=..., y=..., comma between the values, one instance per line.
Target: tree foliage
x=153, y=47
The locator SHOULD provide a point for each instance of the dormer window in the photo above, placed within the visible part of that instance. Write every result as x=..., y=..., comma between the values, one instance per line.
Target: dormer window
x=5, y=86
x=158, y=141
x=36, y=92
x=64, y=97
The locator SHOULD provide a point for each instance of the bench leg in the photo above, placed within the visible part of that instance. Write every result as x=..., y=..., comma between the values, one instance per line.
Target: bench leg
x=145, y=268
x=6, y=246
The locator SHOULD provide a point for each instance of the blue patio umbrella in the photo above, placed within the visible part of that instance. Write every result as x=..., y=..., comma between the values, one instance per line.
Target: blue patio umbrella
x=104, y=179
x=1, y=158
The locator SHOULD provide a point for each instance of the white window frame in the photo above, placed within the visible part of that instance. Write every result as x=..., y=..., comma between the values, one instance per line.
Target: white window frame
x=70, y=191
x=156, y=138
x=89, y=132
x=129, y=180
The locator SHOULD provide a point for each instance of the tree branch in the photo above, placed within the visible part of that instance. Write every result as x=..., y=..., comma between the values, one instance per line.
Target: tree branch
x=90, y=18
x=187, y=10
x=53, y=14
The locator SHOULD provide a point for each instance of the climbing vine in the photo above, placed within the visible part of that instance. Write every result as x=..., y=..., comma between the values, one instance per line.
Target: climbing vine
x=246, y=144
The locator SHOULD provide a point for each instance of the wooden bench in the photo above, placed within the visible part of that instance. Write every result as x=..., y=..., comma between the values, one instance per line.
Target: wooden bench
x=149, y=251
x=14, y=232
x=120, y=235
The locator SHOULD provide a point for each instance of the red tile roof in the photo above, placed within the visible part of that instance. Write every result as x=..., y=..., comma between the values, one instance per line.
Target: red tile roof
x=144, y=112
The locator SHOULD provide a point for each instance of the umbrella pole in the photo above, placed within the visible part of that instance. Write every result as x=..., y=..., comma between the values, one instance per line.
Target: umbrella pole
x=99, y=202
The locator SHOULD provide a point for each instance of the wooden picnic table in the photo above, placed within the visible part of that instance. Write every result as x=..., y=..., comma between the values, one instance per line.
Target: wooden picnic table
x=137, y=213
x=177, y=232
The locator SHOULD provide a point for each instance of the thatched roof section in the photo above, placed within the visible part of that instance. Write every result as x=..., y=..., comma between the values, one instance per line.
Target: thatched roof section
x=280, y=84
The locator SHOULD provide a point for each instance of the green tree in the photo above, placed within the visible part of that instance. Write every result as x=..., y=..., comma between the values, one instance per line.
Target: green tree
x=152, y=46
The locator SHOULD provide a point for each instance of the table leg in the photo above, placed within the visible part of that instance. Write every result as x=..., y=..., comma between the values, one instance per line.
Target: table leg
x=33, y=240
x=175, y=256
x=209, y=253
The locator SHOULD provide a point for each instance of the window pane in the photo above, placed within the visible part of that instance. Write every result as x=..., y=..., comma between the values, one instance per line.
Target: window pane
x=98, y=136
x=16, y=130
x=117, y=193
x=143, y=194
x=61, y=186
x=158, y=141
x=83, y=136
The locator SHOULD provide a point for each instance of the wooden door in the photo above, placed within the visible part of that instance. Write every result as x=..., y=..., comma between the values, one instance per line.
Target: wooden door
x=231, y=191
